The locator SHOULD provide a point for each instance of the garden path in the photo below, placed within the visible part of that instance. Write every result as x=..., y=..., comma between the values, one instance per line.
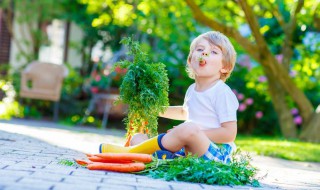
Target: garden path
x=30, y=151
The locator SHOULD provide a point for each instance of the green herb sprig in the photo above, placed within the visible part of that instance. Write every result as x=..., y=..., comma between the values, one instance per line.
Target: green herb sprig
x=144, y=88
x=198, y=170
x=66, y=162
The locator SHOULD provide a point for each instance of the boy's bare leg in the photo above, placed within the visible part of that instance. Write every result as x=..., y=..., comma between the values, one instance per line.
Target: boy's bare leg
x=186, y=135
x=138, y=138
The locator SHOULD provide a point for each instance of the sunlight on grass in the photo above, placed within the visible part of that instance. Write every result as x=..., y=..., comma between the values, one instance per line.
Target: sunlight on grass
x=280, y=148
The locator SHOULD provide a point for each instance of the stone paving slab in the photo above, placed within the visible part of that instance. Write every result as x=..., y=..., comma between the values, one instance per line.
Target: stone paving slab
x=30, y=152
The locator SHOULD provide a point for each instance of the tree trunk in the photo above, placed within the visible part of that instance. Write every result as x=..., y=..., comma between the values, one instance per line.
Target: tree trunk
x=279, y=73
x=278, y=97
x=311, y=119
x=311, y=130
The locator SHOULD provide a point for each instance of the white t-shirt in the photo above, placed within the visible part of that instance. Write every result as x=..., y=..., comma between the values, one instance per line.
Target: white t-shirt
x=211, y=107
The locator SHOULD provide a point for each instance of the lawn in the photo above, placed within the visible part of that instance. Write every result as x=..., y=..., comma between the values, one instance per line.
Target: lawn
x=280, y=148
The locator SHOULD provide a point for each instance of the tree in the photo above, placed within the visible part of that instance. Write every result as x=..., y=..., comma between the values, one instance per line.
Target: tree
x=168, y=19
x=280, y=83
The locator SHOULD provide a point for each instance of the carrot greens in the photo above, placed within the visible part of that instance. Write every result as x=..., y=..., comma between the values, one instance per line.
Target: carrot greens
x=67, y=162
x=144, y=88
x=198, y=170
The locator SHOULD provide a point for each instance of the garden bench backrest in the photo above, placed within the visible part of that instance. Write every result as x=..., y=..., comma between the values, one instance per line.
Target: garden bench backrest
x=42, y=81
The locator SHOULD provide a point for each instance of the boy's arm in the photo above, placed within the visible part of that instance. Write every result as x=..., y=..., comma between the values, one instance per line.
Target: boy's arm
x=225, y=134
x=175, y=112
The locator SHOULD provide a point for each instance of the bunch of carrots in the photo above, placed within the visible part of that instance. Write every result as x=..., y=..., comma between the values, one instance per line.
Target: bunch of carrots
x=117, y=162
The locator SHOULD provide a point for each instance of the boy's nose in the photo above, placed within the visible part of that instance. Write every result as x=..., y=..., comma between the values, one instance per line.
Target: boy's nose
x=205, y=54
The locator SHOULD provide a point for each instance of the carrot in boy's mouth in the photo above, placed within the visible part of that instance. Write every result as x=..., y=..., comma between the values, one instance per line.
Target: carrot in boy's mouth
x=202, y=63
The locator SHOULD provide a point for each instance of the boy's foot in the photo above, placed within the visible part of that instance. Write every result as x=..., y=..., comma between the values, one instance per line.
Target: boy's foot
x=162, y=154
x=181, y=153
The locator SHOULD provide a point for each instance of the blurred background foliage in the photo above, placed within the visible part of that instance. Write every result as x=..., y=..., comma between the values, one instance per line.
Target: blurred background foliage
x=165, y=30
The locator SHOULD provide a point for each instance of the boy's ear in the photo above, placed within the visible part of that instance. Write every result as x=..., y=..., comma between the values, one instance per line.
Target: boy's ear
x=224, y=71
x=189, y=60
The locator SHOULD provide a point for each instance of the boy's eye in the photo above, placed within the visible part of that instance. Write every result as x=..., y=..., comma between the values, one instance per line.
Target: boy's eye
x=199, y=49
x=214, y=52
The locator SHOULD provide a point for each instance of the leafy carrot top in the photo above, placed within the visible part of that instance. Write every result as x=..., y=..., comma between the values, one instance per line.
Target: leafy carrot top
x=144, y=88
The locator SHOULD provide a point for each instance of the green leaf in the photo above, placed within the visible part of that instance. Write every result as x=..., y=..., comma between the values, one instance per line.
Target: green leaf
x=198, y=170
x=144, y=88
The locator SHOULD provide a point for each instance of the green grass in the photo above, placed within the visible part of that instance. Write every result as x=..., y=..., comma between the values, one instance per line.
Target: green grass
x=280, y=148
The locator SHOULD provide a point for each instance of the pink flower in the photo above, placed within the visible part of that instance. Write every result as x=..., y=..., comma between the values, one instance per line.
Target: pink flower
x=259, y=114
x=293, y=73
x=124, y=71
x=240, y=96
x=294, y=111
x=242, y=107
x=297, y=120
x=94, y=73
x=98, y=78
x=235, y=91
x=262, y=79
x=249, y=101
x=279, y=58
x=120, y=71
x=106, y=72
x=117, y=69
x=95, y=59
x=94, y=89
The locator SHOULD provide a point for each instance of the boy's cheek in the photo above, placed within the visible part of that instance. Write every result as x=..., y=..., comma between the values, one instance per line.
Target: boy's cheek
x=194, y=62
x=195, y=58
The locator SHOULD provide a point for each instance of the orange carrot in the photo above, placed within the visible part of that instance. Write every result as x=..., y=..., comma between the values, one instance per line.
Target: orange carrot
x=129, y=136
x=138, y=157
x=89, y=155
x=116, y=167
x=99, y=159
x=82, y=162
x=127, y=143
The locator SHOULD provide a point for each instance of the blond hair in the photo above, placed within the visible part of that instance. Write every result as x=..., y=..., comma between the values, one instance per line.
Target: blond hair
x=228, y=53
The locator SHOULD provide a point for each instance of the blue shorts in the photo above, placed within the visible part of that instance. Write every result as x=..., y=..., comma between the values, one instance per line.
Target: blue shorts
x=217, y=152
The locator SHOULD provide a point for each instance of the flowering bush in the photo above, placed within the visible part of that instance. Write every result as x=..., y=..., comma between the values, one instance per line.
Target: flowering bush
x=98, y=82
x=258, y=115
x=255, y=114
x=102, y=78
